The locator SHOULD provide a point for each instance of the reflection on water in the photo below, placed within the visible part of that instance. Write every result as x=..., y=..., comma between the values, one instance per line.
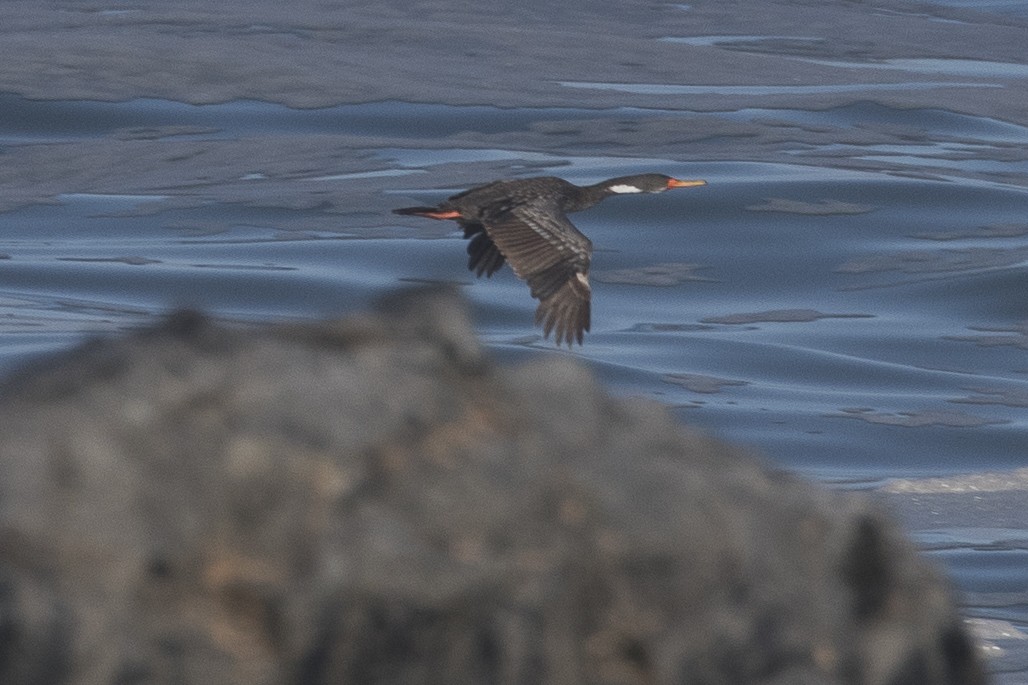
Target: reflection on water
x=724, y=89
x=1017, y=7
x=962, y=67
x=729, y=40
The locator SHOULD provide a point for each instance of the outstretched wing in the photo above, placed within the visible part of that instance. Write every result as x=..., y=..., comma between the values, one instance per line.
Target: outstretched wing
x=546, y=250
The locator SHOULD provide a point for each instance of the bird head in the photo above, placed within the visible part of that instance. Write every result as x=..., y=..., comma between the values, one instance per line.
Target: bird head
x=648, y=183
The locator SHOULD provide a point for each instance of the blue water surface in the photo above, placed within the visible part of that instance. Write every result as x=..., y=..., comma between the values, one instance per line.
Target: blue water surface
x=850, y=324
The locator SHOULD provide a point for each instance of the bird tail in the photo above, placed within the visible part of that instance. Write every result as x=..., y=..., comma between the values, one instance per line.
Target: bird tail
x=430, y=212
x=415, y=211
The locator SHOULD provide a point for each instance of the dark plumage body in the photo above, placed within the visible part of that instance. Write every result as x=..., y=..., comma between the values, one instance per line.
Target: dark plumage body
x=525, y=222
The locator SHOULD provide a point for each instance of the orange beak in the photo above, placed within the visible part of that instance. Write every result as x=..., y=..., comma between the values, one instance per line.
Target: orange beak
x=675, y=183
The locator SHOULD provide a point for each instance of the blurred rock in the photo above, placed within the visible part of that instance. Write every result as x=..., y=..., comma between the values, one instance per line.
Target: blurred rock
x=373, y=501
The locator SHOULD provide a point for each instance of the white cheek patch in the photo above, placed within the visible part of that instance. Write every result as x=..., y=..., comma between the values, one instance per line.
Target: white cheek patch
x=624, y=188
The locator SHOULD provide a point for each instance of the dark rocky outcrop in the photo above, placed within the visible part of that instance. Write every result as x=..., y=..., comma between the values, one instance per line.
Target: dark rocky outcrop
x=374, y=501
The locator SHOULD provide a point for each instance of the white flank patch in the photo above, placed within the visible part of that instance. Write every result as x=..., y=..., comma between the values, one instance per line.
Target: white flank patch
x=624, y=188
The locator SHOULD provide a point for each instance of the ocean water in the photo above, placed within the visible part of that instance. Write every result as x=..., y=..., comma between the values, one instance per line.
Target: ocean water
x=854, y=322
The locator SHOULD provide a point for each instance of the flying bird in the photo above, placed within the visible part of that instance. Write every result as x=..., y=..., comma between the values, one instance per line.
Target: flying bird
x=524, y=222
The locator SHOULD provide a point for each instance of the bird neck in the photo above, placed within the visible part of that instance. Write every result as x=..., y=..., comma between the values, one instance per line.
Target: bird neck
x=587, y=196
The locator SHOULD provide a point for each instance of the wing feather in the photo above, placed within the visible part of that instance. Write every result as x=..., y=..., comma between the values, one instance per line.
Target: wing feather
x=483, y=255
x=546, y=250
x=567, y=311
